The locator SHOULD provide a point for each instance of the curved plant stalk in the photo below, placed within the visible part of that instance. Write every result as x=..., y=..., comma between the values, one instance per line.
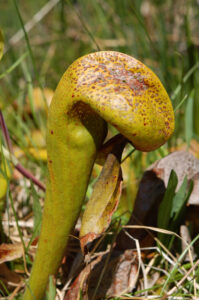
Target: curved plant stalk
x=97, y=88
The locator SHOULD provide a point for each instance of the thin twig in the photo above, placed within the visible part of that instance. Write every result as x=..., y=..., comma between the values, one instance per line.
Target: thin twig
x=30, y=176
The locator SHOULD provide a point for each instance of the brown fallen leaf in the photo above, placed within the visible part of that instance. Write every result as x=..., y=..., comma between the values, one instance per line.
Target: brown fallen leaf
x=182, y=162
x=9, y=252
x=194, y=198
x=119, y=277
x=80, y=282
x=8, y=278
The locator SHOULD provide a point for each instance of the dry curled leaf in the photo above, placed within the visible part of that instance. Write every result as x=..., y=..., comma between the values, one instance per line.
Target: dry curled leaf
x=103, y=201
x=120, y=277
x=194, y=198
x=9, y=252
x=184, y=164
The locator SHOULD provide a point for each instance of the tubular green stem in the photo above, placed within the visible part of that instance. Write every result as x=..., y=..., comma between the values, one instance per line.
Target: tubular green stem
x=97, y=88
